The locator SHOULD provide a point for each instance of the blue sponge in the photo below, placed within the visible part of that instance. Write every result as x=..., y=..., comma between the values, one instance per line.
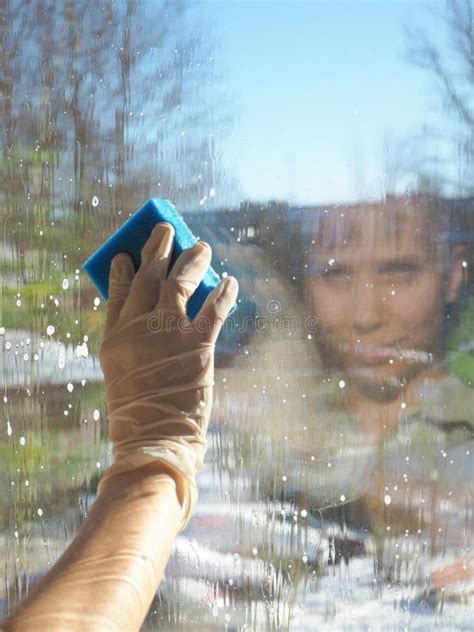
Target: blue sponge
x=131, y=238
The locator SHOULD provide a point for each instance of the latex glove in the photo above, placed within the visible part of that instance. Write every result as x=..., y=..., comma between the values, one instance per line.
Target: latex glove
x=158, y=366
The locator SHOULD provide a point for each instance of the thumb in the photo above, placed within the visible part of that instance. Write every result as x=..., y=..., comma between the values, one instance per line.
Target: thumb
x=215, y=309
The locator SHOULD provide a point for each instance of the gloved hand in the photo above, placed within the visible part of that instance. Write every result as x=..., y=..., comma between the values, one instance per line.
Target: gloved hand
x=158, y=366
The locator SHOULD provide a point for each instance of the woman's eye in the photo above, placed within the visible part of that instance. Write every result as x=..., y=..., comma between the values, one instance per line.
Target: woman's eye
x=401, y=270
x=336, y=273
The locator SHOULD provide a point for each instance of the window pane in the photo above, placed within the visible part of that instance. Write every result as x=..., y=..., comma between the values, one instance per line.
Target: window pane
x=324, y=150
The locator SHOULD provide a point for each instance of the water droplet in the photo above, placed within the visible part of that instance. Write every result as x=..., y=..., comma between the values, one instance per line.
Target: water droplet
x=70, y=387
x=22, y=440
x=96, y=415
x=50, y=329
x=97, y=301
x=341, y=384
x=95, y=201
x=342, y=498
x=39, y=511
x=61, y=357
x=388, y=499
x=81, y=351
x=65, y=284
x=9, y=429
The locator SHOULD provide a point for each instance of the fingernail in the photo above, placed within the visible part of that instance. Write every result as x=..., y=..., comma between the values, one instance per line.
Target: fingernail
x=229, y=283
x=202, y=245
x=153, y=248
x=122, y=268
x=161, y=226
x=164, y=247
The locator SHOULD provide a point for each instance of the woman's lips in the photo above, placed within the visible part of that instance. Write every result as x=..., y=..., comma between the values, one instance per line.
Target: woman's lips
x=373, y=355
x=373, y=358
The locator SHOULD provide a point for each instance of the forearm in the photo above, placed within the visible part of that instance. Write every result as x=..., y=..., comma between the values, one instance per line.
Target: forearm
x=107, y=577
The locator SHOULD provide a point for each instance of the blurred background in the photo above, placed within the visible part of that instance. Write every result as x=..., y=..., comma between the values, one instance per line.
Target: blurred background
x=268, y=124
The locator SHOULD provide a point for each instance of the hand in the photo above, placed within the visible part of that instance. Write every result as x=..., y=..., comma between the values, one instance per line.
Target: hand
x=158, y=366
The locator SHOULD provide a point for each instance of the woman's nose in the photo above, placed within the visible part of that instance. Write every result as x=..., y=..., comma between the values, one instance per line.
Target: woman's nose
x=367, y=307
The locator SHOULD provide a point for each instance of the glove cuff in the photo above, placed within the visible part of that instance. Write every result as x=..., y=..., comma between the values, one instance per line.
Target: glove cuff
x=186, y=488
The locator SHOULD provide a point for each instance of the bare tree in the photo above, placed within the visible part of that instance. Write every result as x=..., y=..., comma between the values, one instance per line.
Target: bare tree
x=126, y=109
x=450, y=61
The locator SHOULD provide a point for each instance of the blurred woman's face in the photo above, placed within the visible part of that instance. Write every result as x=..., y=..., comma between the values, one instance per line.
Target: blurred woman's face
x=378, y=292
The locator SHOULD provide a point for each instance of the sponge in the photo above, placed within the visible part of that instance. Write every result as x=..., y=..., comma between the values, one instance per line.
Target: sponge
x=131, y=238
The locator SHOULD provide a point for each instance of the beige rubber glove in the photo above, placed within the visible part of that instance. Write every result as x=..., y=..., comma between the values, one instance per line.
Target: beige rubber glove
x=158, y=366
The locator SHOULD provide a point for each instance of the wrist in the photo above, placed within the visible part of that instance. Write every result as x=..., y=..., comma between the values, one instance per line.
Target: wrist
x=126, y=475
x=147, y=475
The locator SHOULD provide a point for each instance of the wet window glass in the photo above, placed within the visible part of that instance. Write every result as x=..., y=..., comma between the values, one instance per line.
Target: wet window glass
x=325, y=151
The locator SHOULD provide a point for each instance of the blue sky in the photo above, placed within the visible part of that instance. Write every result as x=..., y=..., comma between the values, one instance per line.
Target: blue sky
x=319, y=89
